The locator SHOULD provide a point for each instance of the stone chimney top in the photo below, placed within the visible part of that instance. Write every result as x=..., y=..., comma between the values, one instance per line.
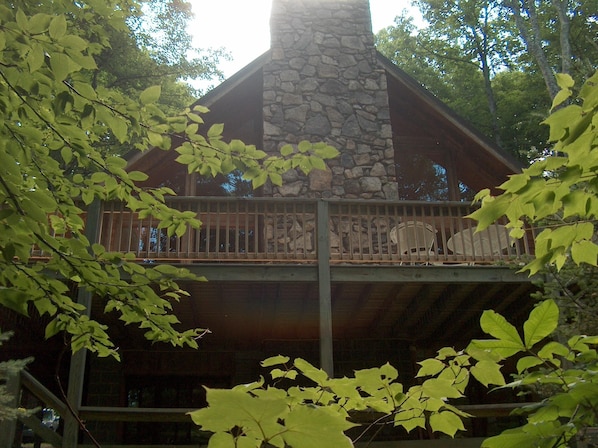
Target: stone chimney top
x=303, y=24
x=323, y=83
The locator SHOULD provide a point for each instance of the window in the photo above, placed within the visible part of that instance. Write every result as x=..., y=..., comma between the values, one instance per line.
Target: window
x=426, y=176
x=421, y=179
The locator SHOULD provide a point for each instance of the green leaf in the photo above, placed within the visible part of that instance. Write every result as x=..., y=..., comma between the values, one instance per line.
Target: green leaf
x=228, y=409
x=440, y=388
x=560, y=97
x=119, y=128
x=315, y=427
x=494, y=347
x=410, y=419
x=275, y=361
x=446, y=422
x=150, y=95
x=585, y=252
x=430, y=367
x=553, y=348
x=222, y=440
x=14, y=299
x=195, y=117
x=511, y=440
x=275, y=178
x=154, y=138
x=304, y=146
x=35, y=58
x=286, y=150
x=496, y=325
x=564, y=80
x=57, y=28
x=53, y=328
x=39, y=23
x=527, y=362
x=215, y=130
x=318, y=376
x=61, y=66
x=542, y=321
x=488, y=372
x=21, y=19
x=138, y=176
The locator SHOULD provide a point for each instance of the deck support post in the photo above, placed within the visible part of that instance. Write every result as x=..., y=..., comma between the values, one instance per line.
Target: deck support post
x=70, y=437
x=324, y=288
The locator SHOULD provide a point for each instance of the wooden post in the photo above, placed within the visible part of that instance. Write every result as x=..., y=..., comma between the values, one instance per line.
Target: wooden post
x=70, y=437
x=8, y=428
x=324, y=288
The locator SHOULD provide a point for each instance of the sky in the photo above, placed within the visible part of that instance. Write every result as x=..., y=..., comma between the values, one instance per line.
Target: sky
x=242, y=26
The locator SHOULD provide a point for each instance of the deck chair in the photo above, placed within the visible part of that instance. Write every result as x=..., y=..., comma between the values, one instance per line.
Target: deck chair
x=491, y=241
x=414, y=238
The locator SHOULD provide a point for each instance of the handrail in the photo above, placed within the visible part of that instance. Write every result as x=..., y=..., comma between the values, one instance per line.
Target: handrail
x=131, y=414
x=23, y=379
x=43, y=394
x=279, y=230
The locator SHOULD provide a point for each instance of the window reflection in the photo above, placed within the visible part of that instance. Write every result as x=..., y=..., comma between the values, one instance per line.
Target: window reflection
x=420, y=178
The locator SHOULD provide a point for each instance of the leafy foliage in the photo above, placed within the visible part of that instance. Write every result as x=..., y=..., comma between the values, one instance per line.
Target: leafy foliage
x=318, y=415
x=287, y=412
x=54, y=122
x=559, y=192
x=574, y=288
x=7, y=411
x=477, y=58
x=567, y=370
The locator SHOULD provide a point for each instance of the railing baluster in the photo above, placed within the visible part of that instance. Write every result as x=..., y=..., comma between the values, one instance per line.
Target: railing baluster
x=283, y=229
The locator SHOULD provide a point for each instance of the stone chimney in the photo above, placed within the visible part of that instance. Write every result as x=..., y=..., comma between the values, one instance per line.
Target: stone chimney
x=323, y=83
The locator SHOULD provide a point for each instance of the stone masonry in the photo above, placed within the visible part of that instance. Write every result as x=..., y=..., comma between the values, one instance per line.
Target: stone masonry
x=323, y=83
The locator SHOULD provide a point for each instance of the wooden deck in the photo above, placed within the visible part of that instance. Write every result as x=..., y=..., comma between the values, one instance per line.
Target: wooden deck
x=269, y=230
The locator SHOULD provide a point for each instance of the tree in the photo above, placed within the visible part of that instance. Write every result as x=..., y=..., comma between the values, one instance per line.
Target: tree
x=468, y=32
x=477, y=56
x=450, y=70
x=568, y=35
x=54, y=169
x=158, y=49
x=522, y=104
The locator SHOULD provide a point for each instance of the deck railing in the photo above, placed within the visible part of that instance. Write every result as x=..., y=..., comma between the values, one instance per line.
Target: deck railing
x=287, y=230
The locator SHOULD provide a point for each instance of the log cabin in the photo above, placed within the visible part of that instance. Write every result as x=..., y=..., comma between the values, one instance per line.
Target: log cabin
x=372, y=260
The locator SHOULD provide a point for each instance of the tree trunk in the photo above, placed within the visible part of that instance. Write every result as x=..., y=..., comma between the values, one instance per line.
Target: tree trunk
x=481, y=44
x=565, y=27
x=491, y=101
x=532, y=39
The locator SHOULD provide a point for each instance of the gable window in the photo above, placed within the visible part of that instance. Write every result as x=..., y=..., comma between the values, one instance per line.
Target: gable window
x=429, y=175
x=421, y=179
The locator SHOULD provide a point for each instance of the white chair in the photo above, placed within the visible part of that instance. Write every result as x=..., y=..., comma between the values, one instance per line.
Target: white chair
x=414, y=238
x=489, y=242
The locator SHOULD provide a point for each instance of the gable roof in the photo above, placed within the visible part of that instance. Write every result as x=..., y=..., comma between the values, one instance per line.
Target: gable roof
x=431, y=101
x=237, y=103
